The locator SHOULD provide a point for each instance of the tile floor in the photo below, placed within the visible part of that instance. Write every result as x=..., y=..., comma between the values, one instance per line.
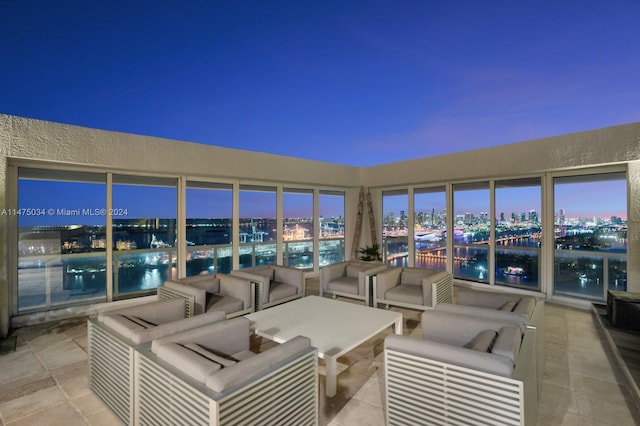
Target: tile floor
x=44, y=382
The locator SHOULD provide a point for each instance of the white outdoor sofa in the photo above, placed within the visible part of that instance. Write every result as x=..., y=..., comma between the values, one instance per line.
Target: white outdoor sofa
x=208, y=376
x=275, y=284
x=352, y=279
x=113, y=336
x=231, y=294
x=414, y=288
x=464, y=370
x=516, y=307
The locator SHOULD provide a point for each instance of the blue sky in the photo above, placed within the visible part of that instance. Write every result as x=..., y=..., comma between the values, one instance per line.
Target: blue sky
x=352, y=82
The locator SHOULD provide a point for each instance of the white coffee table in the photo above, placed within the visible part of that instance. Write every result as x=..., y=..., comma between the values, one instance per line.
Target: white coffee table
x=334, y=327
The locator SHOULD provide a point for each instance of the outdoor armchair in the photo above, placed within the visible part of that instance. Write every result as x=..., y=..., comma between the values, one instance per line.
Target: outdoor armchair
x=414, y=288
x=464, y=370
x=231, y=294
x=350, y=279
x=275, y=284
x=214, y=378
x=113, y=336
x=518, y=308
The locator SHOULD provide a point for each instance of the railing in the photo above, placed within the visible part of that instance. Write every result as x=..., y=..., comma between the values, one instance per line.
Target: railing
x=60, y=280
x=589, y=274
x=49, y=281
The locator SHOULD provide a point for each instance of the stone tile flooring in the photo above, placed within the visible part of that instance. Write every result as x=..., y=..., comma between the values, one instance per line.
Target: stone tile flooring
x=44, y=382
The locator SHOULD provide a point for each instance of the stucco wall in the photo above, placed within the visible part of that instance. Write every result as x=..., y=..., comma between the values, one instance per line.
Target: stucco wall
x=597, y=147
x=633, y=233
x=35, y=139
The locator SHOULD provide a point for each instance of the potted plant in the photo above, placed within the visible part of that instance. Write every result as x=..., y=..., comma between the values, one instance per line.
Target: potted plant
x=370, y=253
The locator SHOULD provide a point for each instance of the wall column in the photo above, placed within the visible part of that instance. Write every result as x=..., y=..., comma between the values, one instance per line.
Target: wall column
x=633, y=227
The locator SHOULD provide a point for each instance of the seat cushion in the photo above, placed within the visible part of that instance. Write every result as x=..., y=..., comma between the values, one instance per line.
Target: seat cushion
x=279, y=291
x=344, y=284
x=405, y=293
x=228, y=304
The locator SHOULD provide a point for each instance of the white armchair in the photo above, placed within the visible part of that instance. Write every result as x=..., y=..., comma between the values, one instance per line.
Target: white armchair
x=350, y=279
x=275, y=284
x=209, y=376
x=414, y=288
x=231, y=294
x=464, y=370
x=113, y=337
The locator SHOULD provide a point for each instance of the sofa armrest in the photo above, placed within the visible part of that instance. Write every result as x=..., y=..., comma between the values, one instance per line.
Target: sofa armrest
x=238, y=287
x=483, y=361
x=260, y=280
x=257, y=365
x=199, y=295
x=386, y=280
x=365, y=274
x=427, y=291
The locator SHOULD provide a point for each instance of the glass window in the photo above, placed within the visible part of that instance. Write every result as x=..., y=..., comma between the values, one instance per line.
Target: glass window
x=61, y=239
x=331, y=210
x=144, y=238
x=209, y=228
x=518, y=232
x=297, y=228
x=395, y=205
x=472, y=226
x=258, y=227
x=590, y=227
x=430, y=228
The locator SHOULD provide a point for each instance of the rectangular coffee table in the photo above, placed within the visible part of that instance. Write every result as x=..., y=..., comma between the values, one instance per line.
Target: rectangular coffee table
x=334, y=327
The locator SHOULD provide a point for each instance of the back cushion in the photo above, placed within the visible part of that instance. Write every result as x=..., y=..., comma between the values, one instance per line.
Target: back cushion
x=508, y=306
x=525, y=306
x=483, y=341
x=508, y=342
x=208, y=283
x=287, y=275
x=410, y=276
x=353, y=270
x=263, y=272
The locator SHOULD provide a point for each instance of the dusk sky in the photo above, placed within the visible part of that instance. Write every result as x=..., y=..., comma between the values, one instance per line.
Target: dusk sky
x=350, y=82
x=363, y=83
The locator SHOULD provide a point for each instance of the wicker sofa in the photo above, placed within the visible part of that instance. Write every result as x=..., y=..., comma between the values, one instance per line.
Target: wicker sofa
x=275, y=284
x=414, y=288
x=464, y=370
x=113, y=337
x=209, y=376
x=231, y=294
x=352, y=279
